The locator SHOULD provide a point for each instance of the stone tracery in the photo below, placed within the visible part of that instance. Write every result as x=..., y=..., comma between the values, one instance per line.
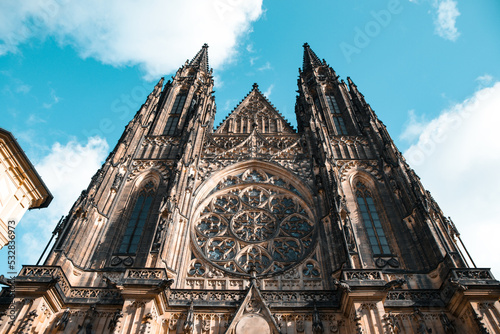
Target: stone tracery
x=254, y=221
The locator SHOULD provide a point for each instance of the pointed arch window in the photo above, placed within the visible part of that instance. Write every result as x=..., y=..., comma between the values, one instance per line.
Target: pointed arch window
x=371, y=220
x=175, y=114
x=137, y=220
x=318, y=104
x=338, y=121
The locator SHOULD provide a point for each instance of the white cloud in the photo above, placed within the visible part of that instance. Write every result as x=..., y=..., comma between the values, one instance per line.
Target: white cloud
x=252, y=60
x=485, y=80
x=250, y=48
x=35, y=119
x=457, y=157
x=24, y=89
x=229, y=104
x=265, y=67
x=445, y=21
x=158, y=35
x=268, y=91
x=66, y=171
x=218, y=83
x=414, y=127
x=54, y=99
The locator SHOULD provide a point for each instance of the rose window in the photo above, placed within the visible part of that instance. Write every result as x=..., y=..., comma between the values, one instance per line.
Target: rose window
x=254, y=222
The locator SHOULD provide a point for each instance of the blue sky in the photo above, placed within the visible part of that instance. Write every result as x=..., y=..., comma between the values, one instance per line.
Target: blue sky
x=71, y=77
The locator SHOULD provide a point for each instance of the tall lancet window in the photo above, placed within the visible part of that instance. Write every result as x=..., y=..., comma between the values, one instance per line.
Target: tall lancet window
x=337, y=116
x=137, y=220
x=371, y=220
x=175, y=114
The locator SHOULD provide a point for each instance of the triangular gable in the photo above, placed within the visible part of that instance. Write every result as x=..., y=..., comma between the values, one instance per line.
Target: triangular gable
x=255, y=111
x=253, y=315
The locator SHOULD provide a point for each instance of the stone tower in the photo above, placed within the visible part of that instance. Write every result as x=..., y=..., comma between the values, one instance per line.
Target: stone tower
x=254, y=227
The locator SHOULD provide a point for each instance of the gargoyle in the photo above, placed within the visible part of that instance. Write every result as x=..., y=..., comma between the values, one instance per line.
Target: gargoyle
x=395, y=284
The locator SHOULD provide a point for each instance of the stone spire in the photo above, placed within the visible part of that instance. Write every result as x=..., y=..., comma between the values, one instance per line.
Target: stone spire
x=201, y=58
x=310, y=58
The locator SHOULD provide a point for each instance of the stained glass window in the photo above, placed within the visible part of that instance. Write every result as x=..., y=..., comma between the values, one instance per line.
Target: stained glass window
x=175, y=114
x=137, y=220
x=255, y=221
x=371, y=220
x=338, y=121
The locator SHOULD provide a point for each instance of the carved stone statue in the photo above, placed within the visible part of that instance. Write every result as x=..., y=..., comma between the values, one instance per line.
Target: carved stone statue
x=392, y=324
x=114, y=321
x=448, y=325
x=317, y=325
x=63, y=320
x=85, y=328
x=395, y=284
x=341, y=285
x=300, y=327
x=189, y=323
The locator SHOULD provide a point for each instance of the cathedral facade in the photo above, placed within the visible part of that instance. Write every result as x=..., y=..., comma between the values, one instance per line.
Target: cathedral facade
x=254, y=226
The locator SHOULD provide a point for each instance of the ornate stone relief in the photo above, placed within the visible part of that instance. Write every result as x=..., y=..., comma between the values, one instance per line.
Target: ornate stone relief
x=161, y=141
x=138, y=166
x=253, y=145
x=370, y=166
x=221, y=150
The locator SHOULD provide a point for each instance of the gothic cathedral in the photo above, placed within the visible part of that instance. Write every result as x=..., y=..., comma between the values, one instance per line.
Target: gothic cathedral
x=254, y=226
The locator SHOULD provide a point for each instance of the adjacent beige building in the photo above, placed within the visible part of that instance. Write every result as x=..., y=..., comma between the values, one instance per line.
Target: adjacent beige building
x=21, y=188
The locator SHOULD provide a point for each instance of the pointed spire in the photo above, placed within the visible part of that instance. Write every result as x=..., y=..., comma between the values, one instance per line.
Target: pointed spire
x=201, y=58
x=310, y=58
x=354, y=90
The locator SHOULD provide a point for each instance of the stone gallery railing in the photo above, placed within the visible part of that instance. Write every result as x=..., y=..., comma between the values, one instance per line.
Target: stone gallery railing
x=55, y=275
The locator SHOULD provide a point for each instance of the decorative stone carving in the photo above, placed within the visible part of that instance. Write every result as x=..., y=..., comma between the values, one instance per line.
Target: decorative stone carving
x=392, y=323
x=362, y=275
x=138, y=166
x=254, y=219
x=370, y=166
x=317, y=324
x=422, y=326
x=395, y=284
x=448, y=326
x=342, y=286
x=145, y=273
x=63, y=320
x=189, y=323
x=162, y=141
x=113, y=323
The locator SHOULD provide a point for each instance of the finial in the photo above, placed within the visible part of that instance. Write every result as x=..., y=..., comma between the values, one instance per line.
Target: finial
x=205, y=45
x=306, y=45
x=255, y=86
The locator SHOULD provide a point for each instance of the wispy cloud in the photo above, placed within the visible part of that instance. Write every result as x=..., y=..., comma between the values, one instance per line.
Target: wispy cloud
x=14, y=85
x=446, y=17
x=22, y=88
x=269, y=90
x=127, y=32
x=414, y=126
x=35, y=119
x=455, y=156
x=265, y=67
x=231, y=103
x=485, y=80
x=218, y=83
x=54, y=99
x=252, y=60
